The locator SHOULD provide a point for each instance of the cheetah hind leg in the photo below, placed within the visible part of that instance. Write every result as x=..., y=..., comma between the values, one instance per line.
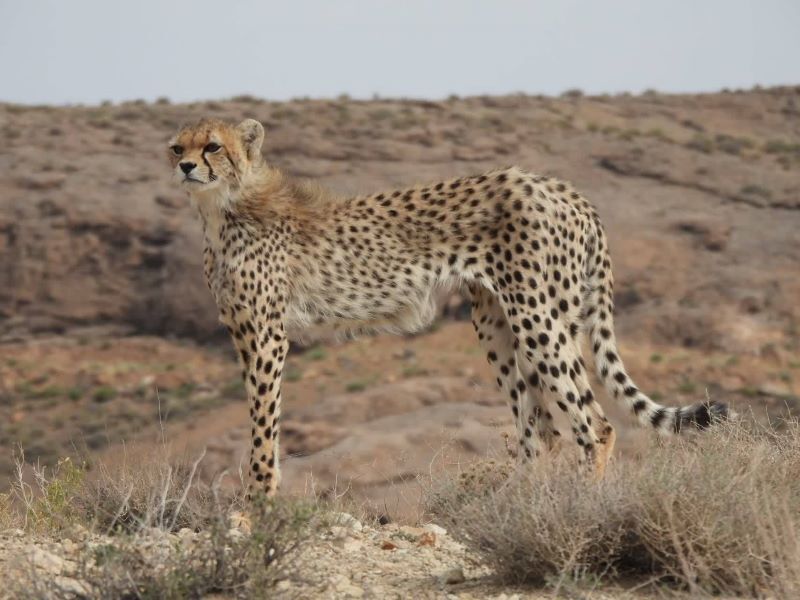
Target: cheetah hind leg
x=496, y=339
x=606, y=435
x=603, y=450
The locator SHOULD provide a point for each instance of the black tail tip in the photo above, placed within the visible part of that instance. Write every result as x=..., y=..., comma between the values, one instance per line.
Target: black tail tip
x=702, y=416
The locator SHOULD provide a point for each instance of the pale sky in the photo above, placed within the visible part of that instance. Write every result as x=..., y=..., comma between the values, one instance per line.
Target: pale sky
x=87, y=51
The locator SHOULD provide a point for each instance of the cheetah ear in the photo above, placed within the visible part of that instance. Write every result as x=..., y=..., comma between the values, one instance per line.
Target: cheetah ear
x=251, y=133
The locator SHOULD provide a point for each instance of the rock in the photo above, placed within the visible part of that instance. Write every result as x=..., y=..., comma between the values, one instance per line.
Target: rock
x=427, y=539
x=241, y=521
x=453, y=576
x=47, y=561
x=387, y=545
x=345, y=588
x=347, y=521
x=775, y=388
x=349, y=544
x=411, y=532
x=712, y=236
x=71, y=587
x=435, y=529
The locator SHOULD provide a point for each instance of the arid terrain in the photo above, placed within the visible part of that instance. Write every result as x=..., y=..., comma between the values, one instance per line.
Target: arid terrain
x=109, y=338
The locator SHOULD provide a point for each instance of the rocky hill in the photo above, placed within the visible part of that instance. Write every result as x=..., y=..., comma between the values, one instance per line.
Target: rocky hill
x=699, y=193
x=107, y=329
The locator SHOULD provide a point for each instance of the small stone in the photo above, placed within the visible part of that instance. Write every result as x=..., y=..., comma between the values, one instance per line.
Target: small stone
x=452, y=576
x=427, y=539
x=71, y=587
x=435, y=529
x=240, y=521
x=344, y=519
x=351, y=545
x=345, y=538
x=283, y=585
x=404, y=354
x=411, y=532
x=387, y=545
x=345, y=589
x=47, y=561
x=774, y=388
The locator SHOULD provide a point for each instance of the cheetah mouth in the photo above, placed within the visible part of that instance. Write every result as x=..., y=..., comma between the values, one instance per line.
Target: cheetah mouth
x=188, y=179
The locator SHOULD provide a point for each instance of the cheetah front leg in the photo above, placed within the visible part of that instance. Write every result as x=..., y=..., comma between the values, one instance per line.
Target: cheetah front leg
x=262, y=345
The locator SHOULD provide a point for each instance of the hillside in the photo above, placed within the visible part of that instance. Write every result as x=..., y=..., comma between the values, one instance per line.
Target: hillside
x=107, y=329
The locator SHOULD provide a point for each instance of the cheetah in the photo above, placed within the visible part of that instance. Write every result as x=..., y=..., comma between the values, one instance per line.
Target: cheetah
x=529, y=249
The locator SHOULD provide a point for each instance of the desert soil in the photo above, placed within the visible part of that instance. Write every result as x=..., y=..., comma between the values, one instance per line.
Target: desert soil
x=108, y=334
x=347, y=559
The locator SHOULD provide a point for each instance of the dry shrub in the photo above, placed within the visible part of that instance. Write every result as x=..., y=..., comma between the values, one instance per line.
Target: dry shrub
x=723, y=515
x=150, y=563
x=152, y=528
x=165, y=494
x=718, y=513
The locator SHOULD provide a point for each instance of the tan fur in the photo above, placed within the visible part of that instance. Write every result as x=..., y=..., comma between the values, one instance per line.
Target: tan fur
x=529, y=249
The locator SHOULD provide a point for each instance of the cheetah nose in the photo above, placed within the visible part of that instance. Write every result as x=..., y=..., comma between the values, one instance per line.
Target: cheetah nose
x=186, y=167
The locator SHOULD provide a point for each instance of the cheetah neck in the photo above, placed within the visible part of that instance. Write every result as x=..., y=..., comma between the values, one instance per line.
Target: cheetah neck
x=212, y=207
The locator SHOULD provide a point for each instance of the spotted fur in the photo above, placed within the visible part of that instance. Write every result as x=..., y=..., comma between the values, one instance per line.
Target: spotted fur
x=530, y=250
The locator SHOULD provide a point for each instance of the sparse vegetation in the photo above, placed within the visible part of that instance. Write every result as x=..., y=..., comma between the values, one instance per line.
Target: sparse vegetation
x=687, y=387
x=659, y=134
x=573, y=93
x=731, y=144
x=316, y=353
x=292, y=372
x=155, y=530
x=701, y=143
x=715, y=516
x=752, y=189
x=778, y=146
x=415, y=370
x=356, y=386
x=104, y=394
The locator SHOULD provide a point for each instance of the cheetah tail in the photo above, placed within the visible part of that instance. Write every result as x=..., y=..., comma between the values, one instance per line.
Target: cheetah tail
x=599, y=320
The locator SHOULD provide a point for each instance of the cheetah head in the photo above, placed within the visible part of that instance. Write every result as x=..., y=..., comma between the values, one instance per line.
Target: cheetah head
x=213, y=156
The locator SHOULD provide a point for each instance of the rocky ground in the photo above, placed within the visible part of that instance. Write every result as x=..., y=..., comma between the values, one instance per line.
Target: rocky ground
x=346, y=559
x=108, y=337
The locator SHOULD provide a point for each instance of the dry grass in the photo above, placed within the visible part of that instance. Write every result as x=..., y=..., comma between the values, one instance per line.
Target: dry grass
x=717, y=514
x=151, y=529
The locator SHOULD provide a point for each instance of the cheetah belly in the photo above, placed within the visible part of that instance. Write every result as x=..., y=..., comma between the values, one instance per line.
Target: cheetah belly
x=402, y=309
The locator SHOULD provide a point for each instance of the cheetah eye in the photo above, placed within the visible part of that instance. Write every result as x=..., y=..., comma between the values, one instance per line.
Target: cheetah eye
x=176, y=149
x=211, y=147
